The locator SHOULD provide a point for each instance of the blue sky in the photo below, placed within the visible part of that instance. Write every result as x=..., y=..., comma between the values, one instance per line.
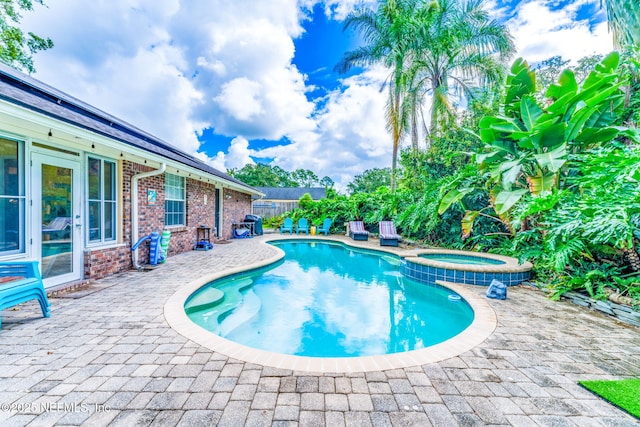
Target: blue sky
x=252, y=80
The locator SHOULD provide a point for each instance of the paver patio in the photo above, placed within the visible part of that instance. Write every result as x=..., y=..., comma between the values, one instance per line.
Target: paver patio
x=107, y=356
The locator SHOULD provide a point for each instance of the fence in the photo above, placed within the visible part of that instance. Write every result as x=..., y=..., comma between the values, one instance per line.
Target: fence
x=269, y=210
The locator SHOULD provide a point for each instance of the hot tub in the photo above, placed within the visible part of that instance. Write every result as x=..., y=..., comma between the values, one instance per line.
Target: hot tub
x=472, y=268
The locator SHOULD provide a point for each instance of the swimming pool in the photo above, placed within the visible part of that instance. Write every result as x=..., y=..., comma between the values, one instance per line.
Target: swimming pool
x=244, y=251
x=329, y=300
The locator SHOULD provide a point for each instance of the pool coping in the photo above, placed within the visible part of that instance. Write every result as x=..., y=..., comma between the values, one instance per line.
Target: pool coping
x=511, y=265
x=483, y=325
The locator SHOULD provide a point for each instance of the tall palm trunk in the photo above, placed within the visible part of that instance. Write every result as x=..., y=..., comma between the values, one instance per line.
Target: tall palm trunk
x=632, y=257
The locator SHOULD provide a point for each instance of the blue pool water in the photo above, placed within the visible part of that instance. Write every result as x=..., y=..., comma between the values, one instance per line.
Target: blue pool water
x=329, y=300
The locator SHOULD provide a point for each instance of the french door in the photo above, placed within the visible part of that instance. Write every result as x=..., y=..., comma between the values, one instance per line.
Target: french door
x=56, y=212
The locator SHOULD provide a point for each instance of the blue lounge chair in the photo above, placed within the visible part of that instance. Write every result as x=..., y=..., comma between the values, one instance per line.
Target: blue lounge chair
x=388, y=234
x=357, y=231
x=303, y=225
x=324, y=228
x=287, y=226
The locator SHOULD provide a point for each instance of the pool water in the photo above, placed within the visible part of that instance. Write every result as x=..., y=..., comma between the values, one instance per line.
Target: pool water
x=329, y=300
x=461, y=259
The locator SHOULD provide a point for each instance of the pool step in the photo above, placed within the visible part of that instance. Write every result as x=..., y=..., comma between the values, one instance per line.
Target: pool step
x=250, y=307
x=204, y=300
x=218, y=301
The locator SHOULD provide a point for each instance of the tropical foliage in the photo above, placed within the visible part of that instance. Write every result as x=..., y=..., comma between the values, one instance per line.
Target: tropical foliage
x=563, y=189
x=555, y=180
x=370, y=180
x=528, y=144
x=545, y=168
x=17, y=48
x=624, y=22
x=432, y=49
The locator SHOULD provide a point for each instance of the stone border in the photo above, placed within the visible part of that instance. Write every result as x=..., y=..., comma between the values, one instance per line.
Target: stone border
x=483, y=325
x=621, y=312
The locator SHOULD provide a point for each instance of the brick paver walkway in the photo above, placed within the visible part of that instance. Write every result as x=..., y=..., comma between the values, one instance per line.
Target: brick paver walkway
x=108, y=357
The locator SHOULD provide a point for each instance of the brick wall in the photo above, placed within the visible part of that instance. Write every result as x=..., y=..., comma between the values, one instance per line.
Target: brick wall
x=107, y=261
x=235, y=206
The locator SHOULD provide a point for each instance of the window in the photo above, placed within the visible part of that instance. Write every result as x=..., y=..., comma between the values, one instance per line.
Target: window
x=102, y=200
x=174, y=200
x=12, y=197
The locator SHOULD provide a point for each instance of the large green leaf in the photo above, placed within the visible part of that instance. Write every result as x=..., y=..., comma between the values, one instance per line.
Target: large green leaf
x=521, y=81
x=608, y=65
x=467, y=222
x=577, y=121
x=551, y=136
x=541, y=184
x=559, y=106
x=527, y=141
x=566, y=85
x=530, y=112
x=482, y=158
x=510, y=172
x=452, y=197
x=502, y=124
x=506, y=199
x=503, y=147
x=553, y=160
x=594, y=136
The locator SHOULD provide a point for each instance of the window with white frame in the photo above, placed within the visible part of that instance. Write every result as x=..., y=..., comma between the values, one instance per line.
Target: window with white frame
x=102, y=200
x=174, y=200
x=12, y=197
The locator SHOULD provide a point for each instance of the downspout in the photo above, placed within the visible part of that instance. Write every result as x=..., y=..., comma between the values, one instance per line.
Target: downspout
x=134, y=208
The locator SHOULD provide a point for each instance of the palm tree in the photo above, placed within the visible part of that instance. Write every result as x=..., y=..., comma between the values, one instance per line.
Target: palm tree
x=387, y=34
x=436, y=48
x=458, y=50
x=624, y=22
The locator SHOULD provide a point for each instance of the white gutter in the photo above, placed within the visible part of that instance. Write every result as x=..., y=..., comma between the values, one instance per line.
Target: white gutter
x=134, y=208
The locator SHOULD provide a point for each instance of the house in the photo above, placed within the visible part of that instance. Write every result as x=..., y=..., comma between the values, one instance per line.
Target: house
x=278, y=200
x=79, y=187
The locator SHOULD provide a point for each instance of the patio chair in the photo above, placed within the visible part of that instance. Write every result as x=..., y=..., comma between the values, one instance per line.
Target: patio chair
x=357, y=231
x=388, y=234
x=287, y=226
x=303, y=225
x=324, y=228
x=58, y=228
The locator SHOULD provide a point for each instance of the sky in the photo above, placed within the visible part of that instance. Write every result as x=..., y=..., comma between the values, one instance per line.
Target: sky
x=248, y=81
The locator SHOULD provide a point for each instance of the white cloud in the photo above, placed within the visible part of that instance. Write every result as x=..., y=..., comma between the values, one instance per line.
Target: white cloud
x=176, y=68
x=350, y=136
x=239, y=98
x=239, y=154
x=542, y=30
x=339, y=9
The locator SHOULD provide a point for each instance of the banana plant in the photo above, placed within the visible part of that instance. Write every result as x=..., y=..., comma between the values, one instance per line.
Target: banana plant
x=528, y=144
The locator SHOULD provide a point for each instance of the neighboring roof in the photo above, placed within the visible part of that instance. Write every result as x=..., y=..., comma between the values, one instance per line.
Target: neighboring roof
x=20, y=89
x=292, y=193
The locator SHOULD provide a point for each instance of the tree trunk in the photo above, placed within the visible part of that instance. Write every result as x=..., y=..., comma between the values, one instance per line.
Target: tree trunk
x=632, y=257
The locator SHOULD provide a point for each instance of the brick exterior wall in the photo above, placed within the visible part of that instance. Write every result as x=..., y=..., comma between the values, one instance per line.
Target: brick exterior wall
x=102, y=262
x=235, y=206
